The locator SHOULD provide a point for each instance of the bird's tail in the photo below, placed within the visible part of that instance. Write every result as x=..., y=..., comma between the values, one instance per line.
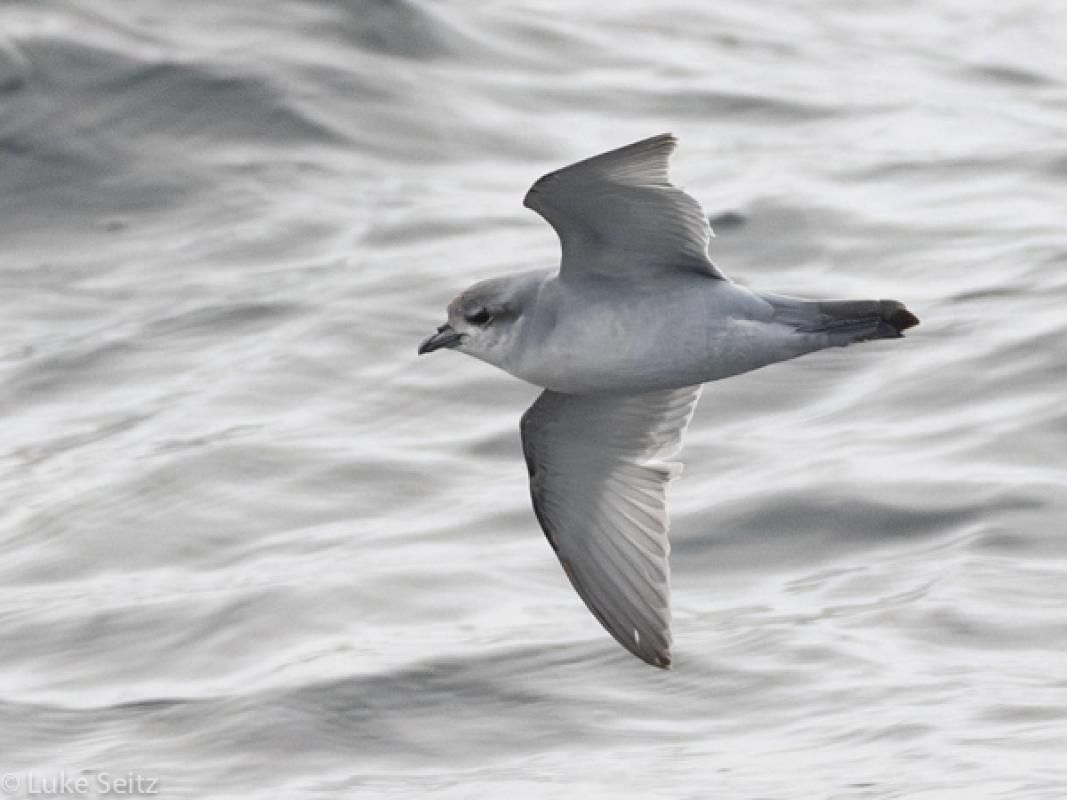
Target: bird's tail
x=845, y=321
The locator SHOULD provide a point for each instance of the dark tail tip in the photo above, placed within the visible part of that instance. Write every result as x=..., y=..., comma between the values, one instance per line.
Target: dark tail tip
x=897, y=316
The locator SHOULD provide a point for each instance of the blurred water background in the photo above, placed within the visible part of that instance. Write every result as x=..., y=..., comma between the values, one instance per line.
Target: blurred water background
x=252, y=547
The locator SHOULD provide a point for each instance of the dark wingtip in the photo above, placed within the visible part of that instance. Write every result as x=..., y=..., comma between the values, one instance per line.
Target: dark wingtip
x=661, y=659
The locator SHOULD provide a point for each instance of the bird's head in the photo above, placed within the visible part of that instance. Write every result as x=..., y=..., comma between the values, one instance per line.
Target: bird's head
x=484, y=320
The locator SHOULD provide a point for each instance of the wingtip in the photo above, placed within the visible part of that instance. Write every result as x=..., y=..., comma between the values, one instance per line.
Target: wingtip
x=667, y=139
x=664, y=143
x=659, y=657
x=661, y=660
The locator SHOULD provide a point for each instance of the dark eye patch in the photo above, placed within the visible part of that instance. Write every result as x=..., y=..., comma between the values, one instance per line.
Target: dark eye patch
x=480, y=317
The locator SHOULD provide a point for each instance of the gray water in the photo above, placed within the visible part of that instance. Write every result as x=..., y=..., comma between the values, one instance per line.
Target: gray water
x=252, y=547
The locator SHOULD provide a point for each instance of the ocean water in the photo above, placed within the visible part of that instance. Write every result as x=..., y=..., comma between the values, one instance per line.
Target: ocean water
x=253, y=547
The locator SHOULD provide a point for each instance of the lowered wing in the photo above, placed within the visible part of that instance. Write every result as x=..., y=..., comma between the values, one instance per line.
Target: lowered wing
x=598, y=479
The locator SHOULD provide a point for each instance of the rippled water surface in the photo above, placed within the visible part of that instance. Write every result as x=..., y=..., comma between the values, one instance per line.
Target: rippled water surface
x=253, y=547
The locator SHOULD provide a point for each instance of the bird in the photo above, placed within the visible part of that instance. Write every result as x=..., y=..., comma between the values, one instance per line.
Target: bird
x=621, y=338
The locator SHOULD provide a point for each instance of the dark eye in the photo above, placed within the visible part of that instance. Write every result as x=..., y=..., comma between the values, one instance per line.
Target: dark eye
x=480, y=317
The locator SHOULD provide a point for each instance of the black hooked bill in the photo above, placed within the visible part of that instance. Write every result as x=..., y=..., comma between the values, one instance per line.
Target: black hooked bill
x=445, y=337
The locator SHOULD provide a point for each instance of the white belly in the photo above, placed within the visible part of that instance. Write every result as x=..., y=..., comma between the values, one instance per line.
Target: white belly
x=691, y=331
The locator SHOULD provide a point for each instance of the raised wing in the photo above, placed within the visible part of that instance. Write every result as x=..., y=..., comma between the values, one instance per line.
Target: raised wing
x=598, y=476
x=618, y=214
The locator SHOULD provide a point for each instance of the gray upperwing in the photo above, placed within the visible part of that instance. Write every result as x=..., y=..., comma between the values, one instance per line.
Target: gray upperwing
x=618, y=214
